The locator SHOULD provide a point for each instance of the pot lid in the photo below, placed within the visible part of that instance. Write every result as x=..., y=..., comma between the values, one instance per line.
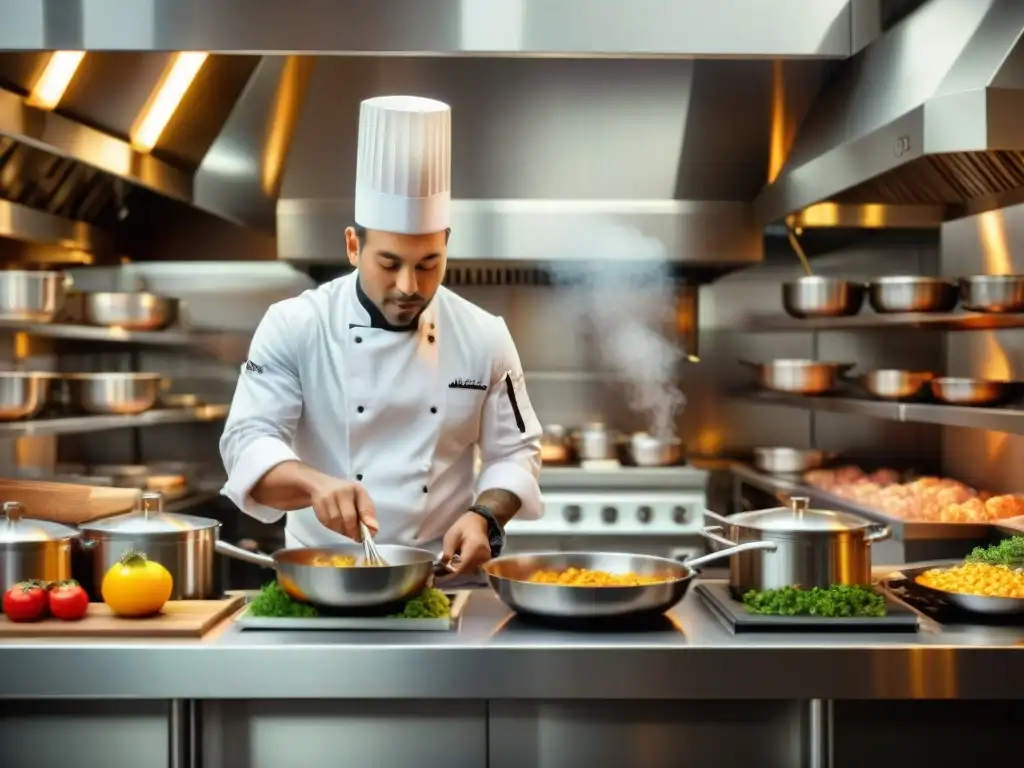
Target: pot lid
x=150, y=518
x=16, y=529
x=798, y=517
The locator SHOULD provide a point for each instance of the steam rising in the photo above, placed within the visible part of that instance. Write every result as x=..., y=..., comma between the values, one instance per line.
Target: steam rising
x=620, y=284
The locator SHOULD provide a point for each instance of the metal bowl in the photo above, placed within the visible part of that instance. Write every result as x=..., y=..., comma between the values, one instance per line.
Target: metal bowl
x=799, y=377
x=507, y=576
x=112, y=393
x=130, y=311
x=987, y=605
x=912, y=293
x=978, y=392
x=894, y=384
x=814, y=296
x=992, y=293
x=24, y=395
x=788, y=461
x=32, y=296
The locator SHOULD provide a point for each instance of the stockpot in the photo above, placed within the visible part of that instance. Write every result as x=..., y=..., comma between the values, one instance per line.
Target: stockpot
x=32, y=549
x=183, y=544
x=816, y=547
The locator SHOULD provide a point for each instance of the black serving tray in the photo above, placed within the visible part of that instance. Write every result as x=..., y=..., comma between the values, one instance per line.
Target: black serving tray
x=733, y=614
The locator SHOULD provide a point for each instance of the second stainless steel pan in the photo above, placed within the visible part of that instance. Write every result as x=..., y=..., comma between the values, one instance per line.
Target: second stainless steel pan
x=407, y=572
x=799, y=377
x=509, y=577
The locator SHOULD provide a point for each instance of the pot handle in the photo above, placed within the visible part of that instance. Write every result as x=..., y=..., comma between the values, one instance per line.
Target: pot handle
x=878, y=533
x=716, y=517
x=696, y=562
x=713, y=532
x=256, y=558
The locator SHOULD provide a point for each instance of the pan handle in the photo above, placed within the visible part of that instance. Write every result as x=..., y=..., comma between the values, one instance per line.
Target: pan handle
x=696, y=562
x=713, y=532
x=256, y=558
x=441, y=568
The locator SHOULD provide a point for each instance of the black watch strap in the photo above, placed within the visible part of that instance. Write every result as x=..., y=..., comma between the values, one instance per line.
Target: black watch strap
x=495, y=533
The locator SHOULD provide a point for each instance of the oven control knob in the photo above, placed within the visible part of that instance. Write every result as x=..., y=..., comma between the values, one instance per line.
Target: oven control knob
x=681, y=515
x=608, y=514
x=572, y=513
x=644, y=514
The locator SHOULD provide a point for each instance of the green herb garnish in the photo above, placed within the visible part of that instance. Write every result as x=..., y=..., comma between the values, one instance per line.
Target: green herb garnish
x=836, y=601
x=273, y=602
x=1006, y=552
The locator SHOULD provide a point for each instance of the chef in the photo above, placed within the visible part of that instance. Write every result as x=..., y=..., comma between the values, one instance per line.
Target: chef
x=366, y=398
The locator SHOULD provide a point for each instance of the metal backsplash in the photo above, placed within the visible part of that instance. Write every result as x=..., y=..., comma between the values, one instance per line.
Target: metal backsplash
x=989, y=243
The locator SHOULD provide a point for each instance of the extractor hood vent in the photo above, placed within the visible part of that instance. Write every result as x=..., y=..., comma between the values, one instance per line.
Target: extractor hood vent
x=930, y=114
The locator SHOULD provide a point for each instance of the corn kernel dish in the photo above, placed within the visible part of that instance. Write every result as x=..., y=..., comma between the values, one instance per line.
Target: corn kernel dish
x=584, y=577
x=975, y=579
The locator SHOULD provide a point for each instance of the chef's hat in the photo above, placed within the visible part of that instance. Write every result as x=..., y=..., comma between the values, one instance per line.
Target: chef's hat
x=403, y=171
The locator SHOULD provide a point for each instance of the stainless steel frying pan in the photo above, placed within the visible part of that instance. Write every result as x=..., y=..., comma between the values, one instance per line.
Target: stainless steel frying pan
x=988, y=605
x=407, y=572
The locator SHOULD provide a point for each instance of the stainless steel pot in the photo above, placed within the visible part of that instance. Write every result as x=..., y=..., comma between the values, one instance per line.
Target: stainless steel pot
x=32, y=549
x=798, y=377
x=816, y=547
x=131, y=311
x=912, y=293
x=182, y=544
x=32, y=296
x=650, y=451
x=892, y=384
x=554, y=445
x=975, y=392
x=788, y=461
x=24, y=395
x=595, y=442
x=992, y=293
x=112, y=393
x=813, y=296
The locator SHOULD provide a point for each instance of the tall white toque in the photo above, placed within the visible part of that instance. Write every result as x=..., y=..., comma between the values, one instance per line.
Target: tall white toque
x=403, y=171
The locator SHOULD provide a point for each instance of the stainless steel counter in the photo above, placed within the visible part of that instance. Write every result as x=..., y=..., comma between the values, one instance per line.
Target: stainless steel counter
x=496, y=655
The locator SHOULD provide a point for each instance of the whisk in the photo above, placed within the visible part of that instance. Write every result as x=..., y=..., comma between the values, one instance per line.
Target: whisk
x=370, y=553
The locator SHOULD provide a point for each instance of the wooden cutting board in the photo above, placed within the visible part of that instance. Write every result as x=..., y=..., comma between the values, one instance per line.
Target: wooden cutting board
x=179, y=618
x=67, y=503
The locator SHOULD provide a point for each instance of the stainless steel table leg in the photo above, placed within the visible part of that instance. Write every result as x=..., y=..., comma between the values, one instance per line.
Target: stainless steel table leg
x=818, y=733
x=183, y=746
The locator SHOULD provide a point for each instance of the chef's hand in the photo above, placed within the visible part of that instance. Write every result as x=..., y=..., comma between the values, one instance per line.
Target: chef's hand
x=469, y=540
x=340, y=505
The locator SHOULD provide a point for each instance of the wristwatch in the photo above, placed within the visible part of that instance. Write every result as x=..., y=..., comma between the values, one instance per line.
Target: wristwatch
x=495, y=532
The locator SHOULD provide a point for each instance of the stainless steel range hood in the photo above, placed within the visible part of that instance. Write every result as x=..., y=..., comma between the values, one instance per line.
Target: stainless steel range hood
x=926, y=121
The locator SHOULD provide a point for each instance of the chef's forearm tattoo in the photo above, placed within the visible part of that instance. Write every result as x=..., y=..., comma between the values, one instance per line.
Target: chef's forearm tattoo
x=503, y=504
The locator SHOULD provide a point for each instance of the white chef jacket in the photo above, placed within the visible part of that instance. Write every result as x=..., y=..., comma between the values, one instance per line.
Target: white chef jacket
x=398, y=411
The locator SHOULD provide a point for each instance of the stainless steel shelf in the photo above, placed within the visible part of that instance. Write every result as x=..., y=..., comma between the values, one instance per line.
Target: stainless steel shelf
x=904, y=530
x=939, y=321
x=80, y=424
x=1005, y=419
x=212, y=340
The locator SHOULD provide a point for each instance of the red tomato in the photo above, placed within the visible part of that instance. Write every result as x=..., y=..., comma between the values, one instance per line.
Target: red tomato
x=68, y=601
x=26, y=601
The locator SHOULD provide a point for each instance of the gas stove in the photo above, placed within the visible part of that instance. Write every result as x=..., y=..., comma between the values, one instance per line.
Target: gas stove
x=659, y=510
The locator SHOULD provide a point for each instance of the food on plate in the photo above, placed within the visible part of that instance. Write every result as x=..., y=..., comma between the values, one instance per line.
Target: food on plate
x=136, y=586
x=26, y=601
x=584, y=577
x=68, y=601
x=333, y=561
x=1006, y=552
x=926, y=499
x=836, y=601
x=273, y=602
x=975, y=579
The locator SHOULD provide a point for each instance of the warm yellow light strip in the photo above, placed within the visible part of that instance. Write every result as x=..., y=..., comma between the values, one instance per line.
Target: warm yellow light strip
x=49, y=88
x=172, y=89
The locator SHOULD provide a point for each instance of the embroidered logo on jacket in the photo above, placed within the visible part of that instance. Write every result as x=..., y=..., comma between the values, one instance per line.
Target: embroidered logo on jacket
x=251, y=367
x=467, y=384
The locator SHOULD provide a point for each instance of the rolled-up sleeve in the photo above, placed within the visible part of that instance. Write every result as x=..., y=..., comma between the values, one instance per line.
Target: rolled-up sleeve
x=264, y=412
x=510, y=432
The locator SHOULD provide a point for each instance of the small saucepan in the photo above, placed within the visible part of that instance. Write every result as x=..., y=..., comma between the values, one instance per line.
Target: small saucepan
x=407, y=572
x=650, y=451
